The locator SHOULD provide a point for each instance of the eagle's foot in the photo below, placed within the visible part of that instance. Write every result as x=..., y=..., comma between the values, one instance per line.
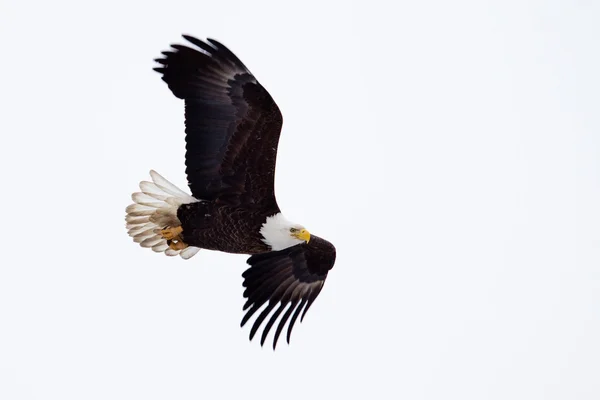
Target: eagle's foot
x=176, y=244
x=171, y=233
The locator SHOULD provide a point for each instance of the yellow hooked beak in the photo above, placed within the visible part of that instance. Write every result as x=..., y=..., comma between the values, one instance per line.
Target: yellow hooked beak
x=302, y=234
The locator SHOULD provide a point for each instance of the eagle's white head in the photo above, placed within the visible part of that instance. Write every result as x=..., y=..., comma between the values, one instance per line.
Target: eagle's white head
x=279, y=233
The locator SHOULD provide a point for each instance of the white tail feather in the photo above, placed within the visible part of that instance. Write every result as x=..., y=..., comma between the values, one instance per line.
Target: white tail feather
x=170, y=252
x=155, y=208
x=168, y=187
x=189, y=252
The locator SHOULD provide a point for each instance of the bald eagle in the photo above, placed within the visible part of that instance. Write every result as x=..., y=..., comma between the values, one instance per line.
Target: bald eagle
x=232, y=128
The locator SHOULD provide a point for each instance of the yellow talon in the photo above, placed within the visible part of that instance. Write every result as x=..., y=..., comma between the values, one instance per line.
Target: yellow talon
x=177, y=245
x=171, y=233
x=173, y=238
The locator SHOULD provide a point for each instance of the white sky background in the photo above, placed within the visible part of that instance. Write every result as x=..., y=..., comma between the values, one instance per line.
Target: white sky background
x=450, y=151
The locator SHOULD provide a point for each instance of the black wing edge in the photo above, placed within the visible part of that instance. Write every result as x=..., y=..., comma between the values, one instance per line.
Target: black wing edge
x=289, y=280
x=181, y=62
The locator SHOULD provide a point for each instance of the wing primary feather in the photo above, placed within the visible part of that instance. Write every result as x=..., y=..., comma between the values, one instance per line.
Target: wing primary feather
x=261, y=318
x=228, y=52
x=282, y=322
x=251, y=312
x=294, y=318
x=311, y=298
x=181, y=47
x=247, y=304
x=204, y=46
x=272, y=320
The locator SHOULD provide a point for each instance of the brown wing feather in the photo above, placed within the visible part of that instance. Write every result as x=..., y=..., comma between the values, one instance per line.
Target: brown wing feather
x=232, y=124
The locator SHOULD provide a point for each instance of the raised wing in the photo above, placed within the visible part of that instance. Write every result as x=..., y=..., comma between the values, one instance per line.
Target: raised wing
x=232, y=124
x=291, y=278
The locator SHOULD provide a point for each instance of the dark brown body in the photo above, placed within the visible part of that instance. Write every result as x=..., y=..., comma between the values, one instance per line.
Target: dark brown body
x=224, y=228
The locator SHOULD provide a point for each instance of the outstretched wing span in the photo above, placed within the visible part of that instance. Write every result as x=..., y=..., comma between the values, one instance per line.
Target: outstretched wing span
x=291, y=278
x=232, y=124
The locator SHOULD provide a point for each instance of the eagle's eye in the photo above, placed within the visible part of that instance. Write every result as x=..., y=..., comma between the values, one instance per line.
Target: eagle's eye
x=293, y=230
